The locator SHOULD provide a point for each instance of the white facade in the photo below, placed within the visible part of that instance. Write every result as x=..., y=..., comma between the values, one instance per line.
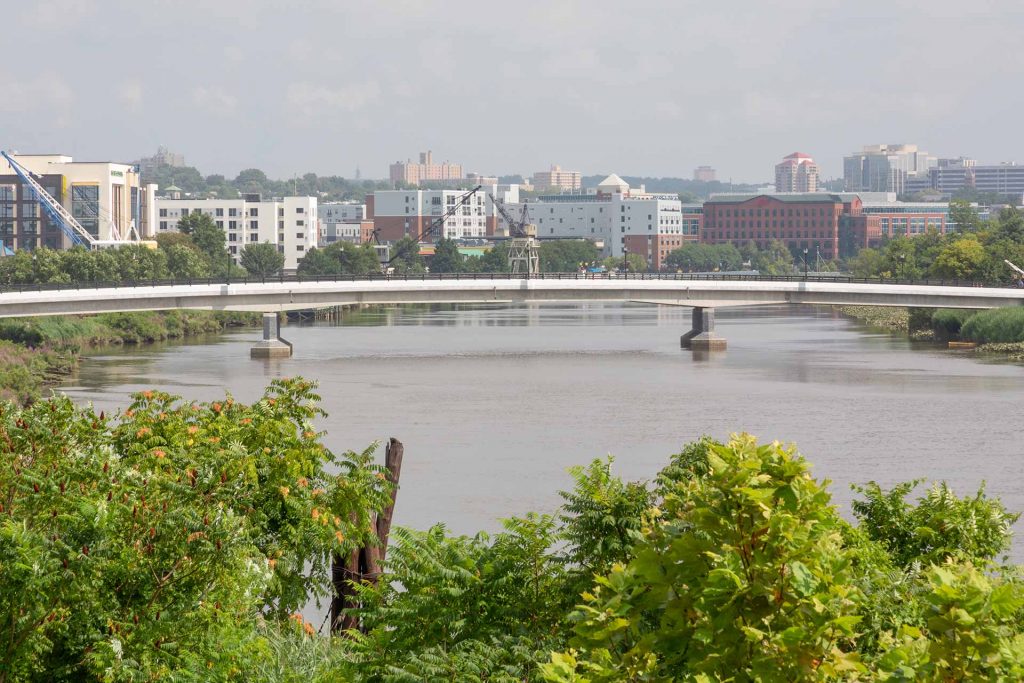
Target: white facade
x=607, y=217
x=290, y=223
x=340, y=221
x=105, y=197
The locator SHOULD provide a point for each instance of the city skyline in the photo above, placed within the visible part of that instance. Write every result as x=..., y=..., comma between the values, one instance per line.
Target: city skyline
x=647, y=90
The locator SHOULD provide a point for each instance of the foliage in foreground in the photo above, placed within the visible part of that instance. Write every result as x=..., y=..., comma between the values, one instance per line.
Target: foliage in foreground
x=174, y=541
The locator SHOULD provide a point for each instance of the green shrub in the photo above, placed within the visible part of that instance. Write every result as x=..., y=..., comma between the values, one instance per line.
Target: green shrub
x=999, y=325
x=946, y=322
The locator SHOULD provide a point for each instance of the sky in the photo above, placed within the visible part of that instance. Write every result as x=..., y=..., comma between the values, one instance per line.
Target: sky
x=635, y=87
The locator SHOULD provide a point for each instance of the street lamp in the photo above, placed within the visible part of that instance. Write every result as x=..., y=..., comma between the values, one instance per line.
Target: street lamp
x=805, y=263
x=625, y=262
x=903, y=266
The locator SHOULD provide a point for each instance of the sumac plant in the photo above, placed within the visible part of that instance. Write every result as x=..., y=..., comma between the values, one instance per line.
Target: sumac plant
x=164, y=539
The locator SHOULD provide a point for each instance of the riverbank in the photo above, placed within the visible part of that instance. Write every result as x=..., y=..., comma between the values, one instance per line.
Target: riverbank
x=996, y=332
x=38, y=352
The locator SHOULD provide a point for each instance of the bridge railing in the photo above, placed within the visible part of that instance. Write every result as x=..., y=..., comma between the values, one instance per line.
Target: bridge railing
x=282, y=279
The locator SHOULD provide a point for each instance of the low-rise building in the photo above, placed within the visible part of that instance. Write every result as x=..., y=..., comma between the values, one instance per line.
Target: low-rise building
x=105, y=197
x=342, y=222
x=704, y=174
x=290, y=223
x=618, y=218
x=410, y=213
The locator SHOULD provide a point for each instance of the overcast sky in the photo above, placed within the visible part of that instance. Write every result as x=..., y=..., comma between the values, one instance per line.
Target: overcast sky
x=635, y=87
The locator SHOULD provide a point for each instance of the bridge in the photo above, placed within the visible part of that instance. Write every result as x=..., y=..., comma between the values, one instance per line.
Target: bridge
x=702, y=292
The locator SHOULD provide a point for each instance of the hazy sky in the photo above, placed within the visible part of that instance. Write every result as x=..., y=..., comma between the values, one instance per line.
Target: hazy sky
x=634, y=86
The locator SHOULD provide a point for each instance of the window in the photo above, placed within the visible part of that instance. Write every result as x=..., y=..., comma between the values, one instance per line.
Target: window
x=220, y=212
x=254, y=237
x=300, y=248
x=163, y=213
x=220, y=224
x=280, y=225
x=254, y=211
x=280, y=212
x=300, y=222
x=232, y=212
x=232, y=225
x=254, y=225
x=163, y=225
x=300, y=210
x=232, y=237
x=300, y=235
x=184, y=212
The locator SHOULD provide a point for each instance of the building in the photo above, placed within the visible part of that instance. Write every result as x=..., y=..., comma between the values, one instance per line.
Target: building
x=618, y=219
x=163, y=157
x=908, y=219
x=796, y=173
x=558, y=179
x=955, y=175
x=343, y=222
x=105, y=197
x=704, y=174
x=290, y=223
x=425, y=171
x=885, y=168
x=409, y=213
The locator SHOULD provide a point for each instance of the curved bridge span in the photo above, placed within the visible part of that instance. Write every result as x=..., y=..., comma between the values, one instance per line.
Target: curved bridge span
x=676, y=290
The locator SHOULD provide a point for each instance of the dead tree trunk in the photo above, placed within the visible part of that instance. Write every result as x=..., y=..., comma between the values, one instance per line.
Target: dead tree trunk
x=364, y=564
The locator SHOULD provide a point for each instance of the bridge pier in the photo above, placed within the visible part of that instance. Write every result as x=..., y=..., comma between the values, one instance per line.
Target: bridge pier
x=702, y=337
x=272, y=346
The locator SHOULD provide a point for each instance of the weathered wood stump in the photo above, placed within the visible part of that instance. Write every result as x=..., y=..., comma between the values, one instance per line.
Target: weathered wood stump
x=364, y=564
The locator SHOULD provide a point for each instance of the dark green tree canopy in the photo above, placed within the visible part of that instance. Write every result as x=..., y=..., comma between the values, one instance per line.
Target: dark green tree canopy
x=261, y=259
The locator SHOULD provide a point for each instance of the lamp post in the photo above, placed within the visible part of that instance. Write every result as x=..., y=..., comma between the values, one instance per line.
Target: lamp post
x=805, y=263
x=903, y=266
x=625, y=262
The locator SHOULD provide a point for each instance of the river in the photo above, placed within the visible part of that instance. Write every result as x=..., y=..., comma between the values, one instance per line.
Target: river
x=493, y=403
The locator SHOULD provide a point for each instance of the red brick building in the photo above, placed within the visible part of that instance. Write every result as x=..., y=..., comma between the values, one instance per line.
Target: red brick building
x=828, y=224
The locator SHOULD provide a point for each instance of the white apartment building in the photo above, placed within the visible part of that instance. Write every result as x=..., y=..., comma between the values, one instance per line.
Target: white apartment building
x=617, y=218
x=104, y=197
x=290, y=223
x=341, y=222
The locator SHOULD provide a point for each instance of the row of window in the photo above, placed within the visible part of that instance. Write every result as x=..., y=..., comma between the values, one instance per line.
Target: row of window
x=253, y=212
x=813, y=211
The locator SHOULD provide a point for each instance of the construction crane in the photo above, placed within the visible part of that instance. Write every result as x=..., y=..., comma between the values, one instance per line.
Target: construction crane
x=523, y=249
x=433, y=227
x=64, y=219
x=1020, y=272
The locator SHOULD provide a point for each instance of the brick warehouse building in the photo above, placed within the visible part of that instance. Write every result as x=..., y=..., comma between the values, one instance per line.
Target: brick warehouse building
x=829, y=224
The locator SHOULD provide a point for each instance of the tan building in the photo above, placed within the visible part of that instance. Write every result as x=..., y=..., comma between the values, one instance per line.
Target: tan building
x=704, y=174
x=558, y=179
x=425, y=171
x=796, y=173
x=106, y=198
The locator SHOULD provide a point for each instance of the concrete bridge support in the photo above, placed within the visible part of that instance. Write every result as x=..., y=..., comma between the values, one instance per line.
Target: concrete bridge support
x=702, y=337
x=272, y=346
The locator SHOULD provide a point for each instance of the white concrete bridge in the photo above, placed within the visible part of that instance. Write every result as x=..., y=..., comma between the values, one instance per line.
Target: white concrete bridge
x=702, y=292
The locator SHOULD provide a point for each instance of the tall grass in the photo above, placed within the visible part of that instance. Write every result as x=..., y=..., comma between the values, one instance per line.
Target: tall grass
x=995, y=326
x=946, y=322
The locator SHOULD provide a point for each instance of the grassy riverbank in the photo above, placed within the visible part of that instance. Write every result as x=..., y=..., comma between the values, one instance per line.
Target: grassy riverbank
x=891, y=318
x=36, y=352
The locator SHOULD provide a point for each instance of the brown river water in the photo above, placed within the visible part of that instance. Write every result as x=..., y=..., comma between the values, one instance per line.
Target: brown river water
x=493, y=403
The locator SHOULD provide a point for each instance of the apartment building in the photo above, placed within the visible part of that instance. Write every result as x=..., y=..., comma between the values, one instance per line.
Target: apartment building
x=343, y=222
x=290, y=223
x=556, y=178
x=424, y=171
x=796, y=173
x=105, y=197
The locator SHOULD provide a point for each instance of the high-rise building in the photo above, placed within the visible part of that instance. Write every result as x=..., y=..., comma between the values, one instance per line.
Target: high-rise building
x=885, y=168
x=796, y=173
x=704, y=174
x=425, y=171
x=558, y=179
x=289, y=223
x=163, y=157
x=106, y=198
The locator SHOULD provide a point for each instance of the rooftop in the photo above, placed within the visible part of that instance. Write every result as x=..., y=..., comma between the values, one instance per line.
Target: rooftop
x=794, y=198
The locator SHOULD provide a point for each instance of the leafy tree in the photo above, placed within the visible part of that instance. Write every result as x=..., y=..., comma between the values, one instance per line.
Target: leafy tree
x=136, y=262
x=188, y=224
x=565, y=256
x=340, y=258
x=261, y=260
x=741, y=576
x=635, y=263
x=776, y=259
x=694, y=257
x=405, y=256
x=964, y=215
x=495, y=260
x=939, y=527
x=185, y=262
x=447, y=258
x=960, y=258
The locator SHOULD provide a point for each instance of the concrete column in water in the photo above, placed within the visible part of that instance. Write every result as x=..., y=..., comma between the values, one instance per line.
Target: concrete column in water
x=272, y=346
x=702, y=337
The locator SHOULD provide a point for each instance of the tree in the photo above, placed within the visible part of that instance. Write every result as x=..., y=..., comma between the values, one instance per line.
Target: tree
x=185, y=262
x=867, y=263
x=959, y=259
x=136, y=262
x=340, y=258
x=635, y=263
x=495, y=260
x=776, y=259
x=447, y=258
x=188, y=224
x=261, y=260
x=741, y=575
x=405, y=256
x=964, y=215
x=566, y=256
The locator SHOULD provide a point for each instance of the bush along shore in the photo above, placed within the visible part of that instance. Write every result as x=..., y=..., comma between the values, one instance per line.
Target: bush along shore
x=995, y=331
x=37, y=352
